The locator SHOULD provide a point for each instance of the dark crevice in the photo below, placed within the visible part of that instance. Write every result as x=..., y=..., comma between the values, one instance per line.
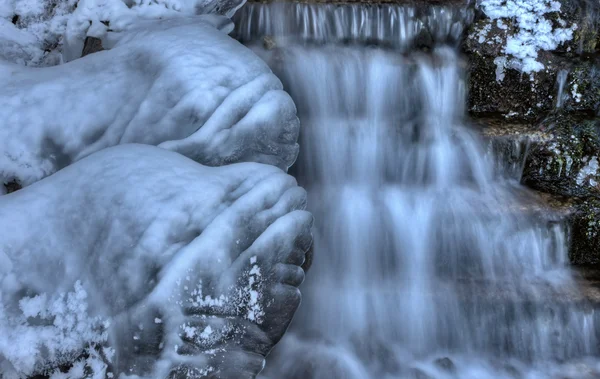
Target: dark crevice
x=12, y=186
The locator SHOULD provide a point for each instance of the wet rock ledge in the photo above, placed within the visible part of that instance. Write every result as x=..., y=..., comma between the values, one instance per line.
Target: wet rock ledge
x=556, y=148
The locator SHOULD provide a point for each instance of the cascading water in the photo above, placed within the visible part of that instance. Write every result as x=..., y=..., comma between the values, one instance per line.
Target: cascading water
x=426, y=265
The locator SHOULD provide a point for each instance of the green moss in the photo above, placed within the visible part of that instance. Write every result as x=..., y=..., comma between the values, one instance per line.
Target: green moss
x=586, y=36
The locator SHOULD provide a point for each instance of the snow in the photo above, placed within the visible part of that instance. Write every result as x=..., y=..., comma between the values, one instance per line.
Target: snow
x=588, y=172
x=574, y=92
x=179, y=83
x=535, y=31
x=36, y=36
x=44, y=28
x=62, y=330
x=115, y=235
x=129, y=230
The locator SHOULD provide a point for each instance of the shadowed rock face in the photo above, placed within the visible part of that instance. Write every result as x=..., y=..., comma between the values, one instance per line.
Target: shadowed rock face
x=585, y=234
x=566, y=163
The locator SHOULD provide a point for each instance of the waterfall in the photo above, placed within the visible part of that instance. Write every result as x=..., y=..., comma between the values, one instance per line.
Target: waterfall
x=561, y=80
x=426, y=262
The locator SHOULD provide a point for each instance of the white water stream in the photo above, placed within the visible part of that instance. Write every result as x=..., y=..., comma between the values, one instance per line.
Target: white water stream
x=425, y=265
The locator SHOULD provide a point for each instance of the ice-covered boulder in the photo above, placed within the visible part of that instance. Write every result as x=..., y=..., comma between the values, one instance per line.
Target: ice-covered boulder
x=179, y=83
x=169, y=266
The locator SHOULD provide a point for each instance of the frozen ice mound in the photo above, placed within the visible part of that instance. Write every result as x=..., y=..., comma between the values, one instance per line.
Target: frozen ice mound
x=179, y=83
x=152, y=264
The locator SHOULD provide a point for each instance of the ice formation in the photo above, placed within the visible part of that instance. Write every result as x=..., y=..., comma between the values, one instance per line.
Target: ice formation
x=135, y=260
x=589, y=172
x=134, y=234
x=535, y=31
x=179, y=83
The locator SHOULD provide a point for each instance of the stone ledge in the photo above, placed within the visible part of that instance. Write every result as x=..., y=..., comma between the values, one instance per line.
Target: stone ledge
x=540, y=151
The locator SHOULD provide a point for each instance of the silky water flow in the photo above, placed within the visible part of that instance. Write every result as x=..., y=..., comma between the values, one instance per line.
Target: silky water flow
x=426, y=264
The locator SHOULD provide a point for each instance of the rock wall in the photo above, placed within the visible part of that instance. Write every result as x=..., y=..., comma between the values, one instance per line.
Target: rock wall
x=558, y=104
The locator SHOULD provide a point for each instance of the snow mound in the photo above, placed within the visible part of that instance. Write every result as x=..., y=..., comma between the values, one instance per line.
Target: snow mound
x=149, y=252
x=179, y=83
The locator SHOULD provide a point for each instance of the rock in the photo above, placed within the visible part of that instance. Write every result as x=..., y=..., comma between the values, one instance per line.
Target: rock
x=493, y=90
x=269, y=42
x=585, y=233
x=308, y=259
x=12, y=186
x=566, y=163
x=91, y=45
x=586, y=38
x=445, y=364
x=582, y=87
x=563, y=152
x=495, y=87
x=523, y=97
x=508, y=144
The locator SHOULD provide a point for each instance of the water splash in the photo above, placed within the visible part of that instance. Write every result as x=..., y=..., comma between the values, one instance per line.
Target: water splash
x=561, y=80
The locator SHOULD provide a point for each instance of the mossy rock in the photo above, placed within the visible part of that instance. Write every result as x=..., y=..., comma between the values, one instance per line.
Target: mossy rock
x=581, y=91
x=517, y=96
x=486, y=38
x=584, y=241
x=586, y=37
x=567, y=162
x=495, y=89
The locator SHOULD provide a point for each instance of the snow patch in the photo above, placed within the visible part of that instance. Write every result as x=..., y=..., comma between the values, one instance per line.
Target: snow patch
x=588, y=172
x=48, y=331
x=44, y=30
x=574, y=92
x=535, y=31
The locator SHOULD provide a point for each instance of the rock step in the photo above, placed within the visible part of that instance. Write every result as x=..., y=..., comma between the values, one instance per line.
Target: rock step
x=557, y=157
x=582, y=289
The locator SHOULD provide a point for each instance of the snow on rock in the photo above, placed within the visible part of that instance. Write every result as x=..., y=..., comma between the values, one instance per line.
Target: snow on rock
x=135, y=230
x=182, y=84
x=31, y=31
x=34, y=32
x=60, y=332
x=588, y=172
x=534, y=31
